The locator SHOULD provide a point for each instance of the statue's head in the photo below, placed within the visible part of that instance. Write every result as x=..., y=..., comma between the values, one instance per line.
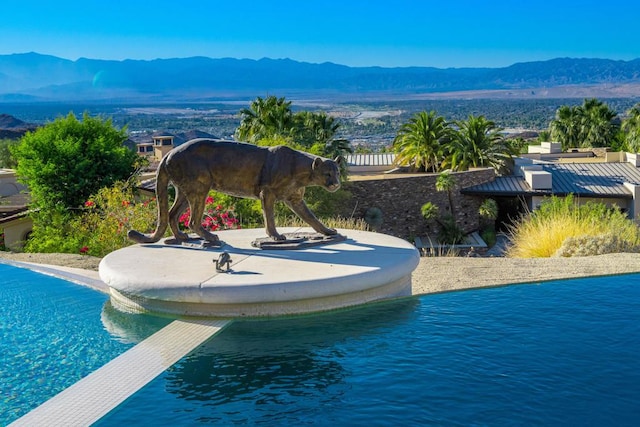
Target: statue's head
x=326, y=173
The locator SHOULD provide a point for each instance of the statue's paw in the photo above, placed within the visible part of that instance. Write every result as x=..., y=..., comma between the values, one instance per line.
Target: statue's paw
x=138, y=237
x=330, y=232
x=181, y=236
x=277, y=236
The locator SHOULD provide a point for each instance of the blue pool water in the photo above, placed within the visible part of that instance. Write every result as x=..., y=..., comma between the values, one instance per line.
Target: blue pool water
x=558, y=353
x=53, y=333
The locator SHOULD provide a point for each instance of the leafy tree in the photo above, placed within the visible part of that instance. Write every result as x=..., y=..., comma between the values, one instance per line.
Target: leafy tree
x=420, y=143
x=66, y=161
x=478, y=142
x=631, y=128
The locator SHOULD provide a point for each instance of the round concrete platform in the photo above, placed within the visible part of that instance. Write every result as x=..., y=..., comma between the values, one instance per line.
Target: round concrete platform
x=182, y=280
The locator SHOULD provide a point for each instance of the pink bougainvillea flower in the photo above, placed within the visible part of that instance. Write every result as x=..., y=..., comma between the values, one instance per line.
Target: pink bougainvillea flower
x=89, y=203
x=84, y=249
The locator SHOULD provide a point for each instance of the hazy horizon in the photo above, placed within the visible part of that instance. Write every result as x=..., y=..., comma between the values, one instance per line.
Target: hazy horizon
x=296, y=60
x=458, y=34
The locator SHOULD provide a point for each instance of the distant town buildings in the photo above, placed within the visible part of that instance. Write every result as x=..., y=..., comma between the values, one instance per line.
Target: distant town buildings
x=156, y=149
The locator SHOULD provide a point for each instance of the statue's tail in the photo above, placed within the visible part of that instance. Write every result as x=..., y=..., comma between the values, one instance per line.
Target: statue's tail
x=162, y=200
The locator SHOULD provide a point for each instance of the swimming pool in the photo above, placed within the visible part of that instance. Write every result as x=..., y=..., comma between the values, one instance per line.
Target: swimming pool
x=52, y=334
x=562, y=352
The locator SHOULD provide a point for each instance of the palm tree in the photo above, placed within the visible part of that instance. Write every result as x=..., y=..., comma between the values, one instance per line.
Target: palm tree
x=420, y=142
x=446, y=182
x=337, y=147
x=313, y=128
x=631, y=128
x=265, y=118
x=319, y=128
x=478, y=143
x=565, y=128
x=592, y=124
x=598, y=124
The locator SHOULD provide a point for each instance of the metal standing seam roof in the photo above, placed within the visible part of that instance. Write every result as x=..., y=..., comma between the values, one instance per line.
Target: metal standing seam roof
x=383, y=159
x=604, y=180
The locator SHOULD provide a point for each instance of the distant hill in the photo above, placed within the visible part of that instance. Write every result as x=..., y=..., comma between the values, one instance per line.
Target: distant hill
x=9, y=122
x=13, y=128
x=31, y=77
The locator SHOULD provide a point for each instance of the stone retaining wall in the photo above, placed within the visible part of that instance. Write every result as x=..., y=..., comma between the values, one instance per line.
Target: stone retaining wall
x=400, y=199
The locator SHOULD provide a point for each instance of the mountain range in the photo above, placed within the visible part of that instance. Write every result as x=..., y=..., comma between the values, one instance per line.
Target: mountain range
x=33, y=77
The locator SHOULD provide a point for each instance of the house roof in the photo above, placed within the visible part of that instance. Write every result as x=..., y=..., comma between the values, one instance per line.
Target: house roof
x=14, y=202
x=12, y=216
x=602, y=180
x=383, y=159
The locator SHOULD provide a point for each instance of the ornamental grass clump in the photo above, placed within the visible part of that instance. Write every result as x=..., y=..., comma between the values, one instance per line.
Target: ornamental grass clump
x=562, y=227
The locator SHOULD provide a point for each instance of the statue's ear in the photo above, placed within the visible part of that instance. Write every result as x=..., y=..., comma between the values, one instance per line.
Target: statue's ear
x=317, y=162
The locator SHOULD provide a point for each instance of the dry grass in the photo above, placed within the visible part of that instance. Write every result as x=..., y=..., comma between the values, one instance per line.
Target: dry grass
x=334, y=222
x=561, y=227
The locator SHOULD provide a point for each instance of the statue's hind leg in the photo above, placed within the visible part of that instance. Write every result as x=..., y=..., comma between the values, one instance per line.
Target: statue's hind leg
x=179, y=206
x=196, y=203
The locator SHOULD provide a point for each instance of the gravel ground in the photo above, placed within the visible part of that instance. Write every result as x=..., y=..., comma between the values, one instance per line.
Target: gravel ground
x=441, y=274
x=65, y=260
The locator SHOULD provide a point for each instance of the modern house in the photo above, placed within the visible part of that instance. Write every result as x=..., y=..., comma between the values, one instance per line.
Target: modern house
x=15, y=224
x=613, y=179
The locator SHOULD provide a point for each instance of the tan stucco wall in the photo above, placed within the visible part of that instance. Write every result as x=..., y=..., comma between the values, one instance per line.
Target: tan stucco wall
x=15, y=232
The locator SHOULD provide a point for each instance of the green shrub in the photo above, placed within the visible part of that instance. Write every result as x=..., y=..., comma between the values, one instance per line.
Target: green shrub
x=247, y=211
x=489, y=236
x=53, y=231
x=109, y=215
x=97, y=229
x=450, y=233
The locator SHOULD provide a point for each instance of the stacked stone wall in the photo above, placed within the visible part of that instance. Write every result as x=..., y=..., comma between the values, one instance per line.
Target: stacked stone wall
x=400, y=199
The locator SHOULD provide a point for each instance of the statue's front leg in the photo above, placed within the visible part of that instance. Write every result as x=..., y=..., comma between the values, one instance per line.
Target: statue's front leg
x=268, y=201
x=300, y=208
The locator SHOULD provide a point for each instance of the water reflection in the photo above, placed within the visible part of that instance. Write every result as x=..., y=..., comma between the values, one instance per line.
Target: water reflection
x=129, y=328
x=281, y=359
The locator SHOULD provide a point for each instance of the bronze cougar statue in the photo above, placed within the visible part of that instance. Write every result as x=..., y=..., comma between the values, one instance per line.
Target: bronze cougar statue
x=238, y=169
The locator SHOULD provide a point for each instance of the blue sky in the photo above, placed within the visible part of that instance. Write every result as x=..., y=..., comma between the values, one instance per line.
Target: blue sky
x=395, y=33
